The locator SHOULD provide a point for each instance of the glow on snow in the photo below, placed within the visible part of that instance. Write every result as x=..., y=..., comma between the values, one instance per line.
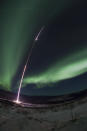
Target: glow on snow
x=20, y=85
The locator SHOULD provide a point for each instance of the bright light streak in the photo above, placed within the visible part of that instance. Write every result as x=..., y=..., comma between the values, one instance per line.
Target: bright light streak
x=18, y=95
x=20, y=85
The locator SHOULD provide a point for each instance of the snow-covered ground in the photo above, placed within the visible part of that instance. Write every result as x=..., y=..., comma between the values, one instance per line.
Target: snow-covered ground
x=67, y=117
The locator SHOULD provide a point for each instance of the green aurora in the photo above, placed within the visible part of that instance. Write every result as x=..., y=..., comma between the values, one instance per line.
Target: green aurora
x=69, y=67
x=20, y=21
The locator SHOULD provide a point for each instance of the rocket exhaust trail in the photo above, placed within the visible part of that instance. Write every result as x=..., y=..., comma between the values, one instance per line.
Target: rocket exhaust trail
x=20, y=85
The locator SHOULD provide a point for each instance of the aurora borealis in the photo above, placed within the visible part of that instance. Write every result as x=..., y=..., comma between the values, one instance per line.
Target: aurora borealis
x=60, y=53
x=68, y=68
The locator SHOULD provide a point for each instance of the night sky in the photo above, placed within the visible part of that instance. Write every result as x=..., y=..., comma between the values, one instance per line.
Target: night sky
x=58, y=63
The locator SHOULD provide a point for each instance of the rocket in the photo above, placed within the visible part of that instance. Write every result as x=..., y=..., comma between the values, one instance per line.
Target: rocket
x=37, y=37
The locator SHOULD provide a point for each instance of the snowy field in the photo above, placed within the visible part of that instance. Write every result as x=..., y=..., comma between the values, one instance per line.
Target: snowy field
x=67, y=117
